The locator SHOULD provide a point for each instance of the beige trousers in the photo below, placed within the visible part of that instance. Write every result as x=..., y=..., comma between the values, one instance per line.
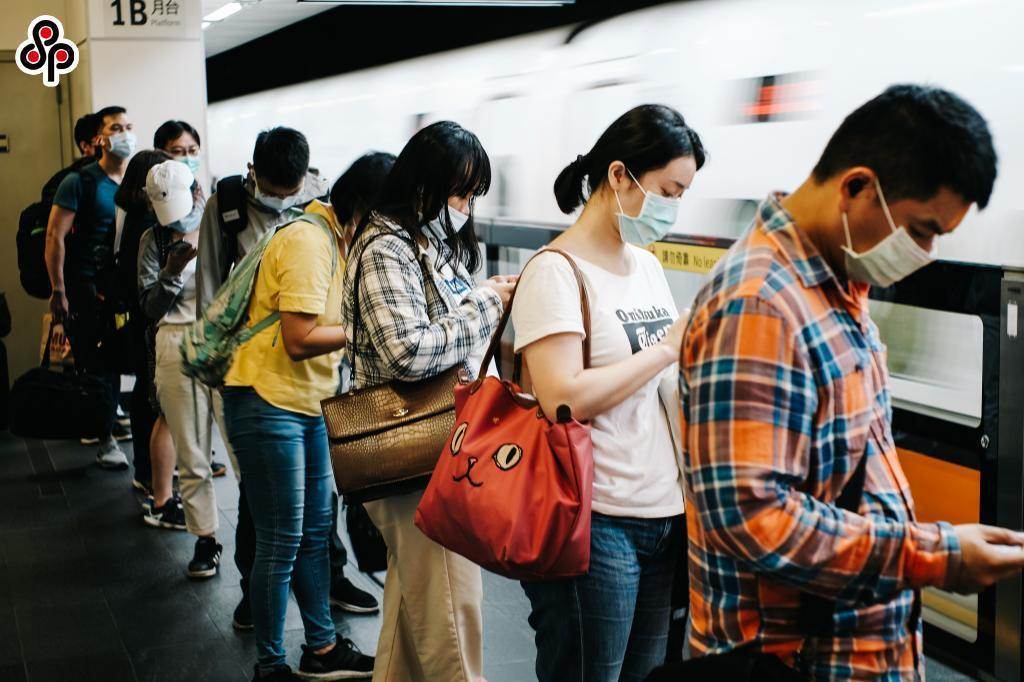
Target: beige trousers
x=432, y=629
x=188, y=410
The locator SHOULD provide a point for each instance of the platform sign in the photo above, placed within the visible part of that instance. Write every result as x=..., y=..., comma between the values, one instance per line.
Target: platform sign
x=144, y=19
x=687, y=257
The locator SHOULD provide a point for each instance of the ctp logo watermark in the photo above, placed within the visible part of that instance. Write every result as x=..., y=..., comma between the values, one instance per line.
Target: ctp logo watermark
x=47, y=51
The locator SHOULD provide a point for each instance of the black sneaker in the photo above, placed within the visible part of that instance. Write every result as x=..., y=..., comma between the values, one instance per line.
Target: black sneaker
x=348, y=597
x=206, y=560
x=344, y=662
x=121, y=433
x=284, y=674
x=170, y=515
x=218, y=469
x=242, y=619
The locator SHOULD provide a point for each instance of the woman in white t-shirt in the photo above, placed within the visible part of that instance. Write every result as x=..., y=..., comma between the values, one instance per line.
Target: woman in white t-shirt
x=612, y=623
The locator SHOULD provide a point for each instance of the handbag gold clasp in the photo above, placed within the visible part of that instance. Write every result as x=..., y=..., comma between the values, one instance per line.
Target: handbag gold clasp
x=400, y=412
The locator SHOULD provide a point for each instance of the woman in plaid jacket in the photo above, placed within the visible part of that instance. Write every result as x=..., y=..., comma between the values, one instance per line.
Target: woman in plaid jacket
x=412, y=310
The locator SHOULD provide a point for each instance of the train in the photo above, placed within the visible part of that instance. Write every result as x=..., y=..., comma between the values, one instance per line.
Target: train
x=765, y=82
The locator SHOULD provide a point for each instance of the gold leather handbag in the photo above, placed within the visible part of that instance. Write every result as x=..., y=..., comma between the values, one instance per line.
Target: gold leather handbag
x=385, y=440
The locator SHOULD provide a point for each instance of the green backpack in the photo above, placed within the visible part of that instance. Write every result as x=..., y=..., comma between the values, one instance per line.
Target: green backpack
x=209, y=346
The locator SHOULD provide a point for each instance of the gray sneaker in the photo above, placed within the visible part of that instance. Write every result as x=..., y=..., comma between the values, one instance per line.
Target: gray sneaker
x=111, y=456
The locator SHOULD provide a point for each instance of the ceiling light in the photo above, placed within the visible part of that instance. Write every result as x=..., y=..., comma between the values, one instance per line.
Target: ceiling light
x=448, y=3
x=207, y=24
x=223, y=12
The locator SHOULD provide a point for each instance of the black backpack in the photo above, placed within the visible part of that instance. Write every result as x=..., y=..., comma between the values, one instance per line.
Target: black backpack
x=233, y=217
x=31, y=238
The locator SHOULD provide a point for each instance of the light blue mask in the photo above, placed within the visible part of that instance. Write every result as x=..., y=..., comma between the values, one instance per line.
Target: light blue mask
x=656, y=219
x=189, y=223
x=279, y=204
x=122, y=145
x=192, y=162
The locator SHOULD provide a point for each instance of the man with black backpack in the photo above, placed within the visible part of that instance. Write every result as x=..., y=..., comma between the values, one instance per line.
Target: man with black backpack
x=241, y=211
x=35, y=279
x=80, y=260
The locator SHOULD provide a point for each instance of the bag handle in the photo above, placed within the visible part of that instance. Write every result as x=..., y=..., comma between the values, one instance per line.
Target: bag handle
x=507, y=314
x=49, y=343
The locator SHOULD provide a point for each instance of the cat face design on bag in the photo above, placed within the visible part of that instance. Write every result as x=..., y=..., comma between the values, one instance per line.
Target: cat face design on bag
x=505, y=457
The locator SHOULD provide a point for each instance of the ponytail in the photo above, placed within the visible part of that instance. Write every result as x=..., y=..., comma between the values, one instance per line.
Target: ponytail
x=569, y=185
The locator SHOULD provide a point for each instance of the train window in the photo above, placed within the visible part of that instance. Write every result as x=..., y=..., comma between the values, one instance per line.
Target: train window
x=935, y=361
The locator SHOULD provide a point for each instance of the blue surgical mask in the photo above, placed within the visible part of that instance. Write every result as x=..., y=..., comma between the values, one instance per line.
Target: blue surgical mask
x=122, y=145
x=656, y=219
x=192, y=162
x=189, y=223
x=278, y=204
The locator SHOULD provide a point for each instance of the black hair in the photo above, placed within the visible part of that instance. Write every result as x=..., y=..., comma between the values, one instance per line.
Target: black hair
x=440, y=161
x=169, y=131
x=355, y=190
x=644, y=138
x=131, y=194
x=108, y=111
x=917, y=139
x=87, y=128
x=281, y=155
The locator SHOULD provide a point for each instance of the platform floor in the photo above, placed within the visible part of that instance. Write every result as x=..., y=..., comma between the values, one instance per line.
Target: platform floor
x=90, y=593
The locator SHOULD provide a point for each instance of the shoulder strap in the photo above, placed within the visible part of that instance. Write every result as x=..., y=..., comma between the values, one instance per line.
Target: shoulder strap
x=322, y=223
x=816, y=613
x=87, y=201
x=232, y=216
x=507, y=314
x=356, y=313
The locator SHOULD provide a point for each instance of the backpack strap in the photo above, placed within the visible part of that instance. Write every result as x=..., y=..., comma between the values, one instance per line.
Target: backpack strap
x=232, y=215
x=86, y=203
x=314, y=219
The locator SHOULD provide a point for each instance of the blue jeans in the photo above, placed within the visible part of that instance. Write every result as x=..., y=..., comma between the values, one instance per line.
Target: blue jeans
x=612, y=623
x=286, y=471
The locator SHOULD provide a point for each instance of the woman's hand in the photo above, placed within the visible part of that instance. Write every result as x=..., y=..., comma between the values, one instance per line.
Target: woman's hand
x=503, y=285
x=672, y=344
x=180, y=256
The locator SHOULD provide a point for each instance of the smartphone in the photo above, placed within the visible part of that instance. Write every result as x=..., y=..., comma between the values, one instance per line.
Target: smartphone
x=180, y=246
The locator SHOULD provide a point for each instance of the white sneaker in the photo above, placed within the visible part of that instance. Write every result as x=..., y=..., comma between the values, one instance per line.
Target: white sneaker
x=111, y=457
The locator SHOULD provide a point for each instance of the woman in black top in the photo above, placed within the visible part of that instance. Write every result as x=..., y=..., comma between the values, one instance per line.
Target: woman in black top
x=153, y=449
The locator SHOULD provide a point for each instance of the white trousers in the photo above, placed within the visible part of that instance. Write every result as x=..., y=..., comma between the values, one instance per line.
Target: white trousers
x=188, y=409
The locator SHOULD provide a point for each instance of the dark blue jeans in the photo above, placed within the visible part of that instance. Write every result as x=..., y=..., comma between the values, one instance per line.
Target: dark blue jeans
x=612, y=623
x=286, y=471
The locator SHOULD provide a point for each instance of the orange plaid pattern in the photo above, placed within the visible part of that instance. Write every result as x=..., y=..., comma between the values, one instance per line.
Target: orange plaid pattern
x=785, y=388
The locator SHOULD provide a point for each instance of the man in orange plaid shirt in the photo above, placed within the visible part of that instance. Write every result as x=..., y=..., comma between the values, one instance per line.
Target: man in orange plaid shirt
x=786, y=401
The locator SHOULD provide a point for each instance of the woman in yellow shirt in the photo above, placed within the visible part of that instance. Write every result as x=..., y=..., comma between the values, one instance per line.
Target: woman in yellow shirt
x=272, y=410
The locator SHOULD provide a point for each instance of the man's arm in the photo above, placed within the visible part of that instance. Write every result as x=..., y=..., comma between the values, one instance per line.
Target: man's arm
x=57, y=229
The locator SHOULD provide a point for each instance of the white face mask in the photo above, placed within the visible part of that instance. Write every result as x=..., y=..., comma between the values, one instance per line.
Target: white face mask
x=894, y=258
x=279, y=204
x=459, y=220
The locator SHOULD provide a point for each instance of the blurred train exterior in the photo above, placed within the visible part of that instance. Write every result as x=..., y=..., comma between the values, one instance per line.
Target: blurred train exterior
x=765, y=82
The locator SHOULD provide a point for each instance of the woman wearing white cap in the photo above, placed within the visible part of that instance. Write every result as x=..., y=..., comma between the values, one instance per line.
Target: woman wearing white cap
x=167, y=290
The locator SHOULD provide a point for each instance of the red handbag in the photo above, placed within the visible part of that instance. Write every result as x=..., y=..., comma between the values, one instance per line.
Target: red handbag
x=512, y=489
